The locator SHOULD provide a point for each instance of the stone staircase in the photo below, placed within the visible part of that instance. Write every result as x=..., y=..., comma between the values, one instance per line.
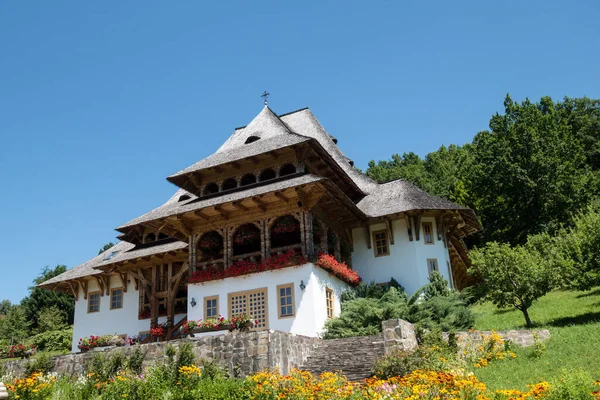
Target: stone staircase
x=354, y=357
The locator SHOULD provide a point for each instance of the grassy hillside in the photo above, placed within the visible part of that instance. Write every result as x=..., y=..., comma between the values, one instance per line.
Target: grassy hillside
x=573, y=319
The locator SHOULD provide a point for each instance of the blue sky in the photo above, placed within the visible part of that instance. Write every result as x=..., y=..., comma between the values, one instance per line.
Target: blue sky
x=100, y=101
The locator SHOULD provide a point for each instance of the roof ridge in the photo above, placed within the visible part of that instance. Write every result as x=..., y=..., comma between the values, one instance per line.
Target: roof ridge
x=292, y=112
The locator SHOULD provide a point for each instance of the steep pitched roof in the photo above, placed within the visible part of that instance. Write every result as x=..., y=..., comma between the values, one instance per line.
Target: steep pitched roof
x=277, y=132
x=401, y=196
x=88, y=267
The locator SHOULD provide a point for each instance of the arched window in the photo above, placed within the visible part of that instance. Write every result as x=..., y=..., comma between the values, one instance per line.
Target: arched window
x=184, y=197
x=162, y=236
x=285, y=231
x=252, y=139
x=248, y=179
x=267, y=174
x=287, y=169
x=210, y=246
x=151, y=237
x=229, y=184
x=246, y=239
x=211, y=188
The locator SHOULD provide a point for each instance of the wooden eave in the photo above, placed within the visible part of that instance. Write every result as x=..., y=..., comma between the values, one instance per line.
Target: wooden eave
x=182, y=225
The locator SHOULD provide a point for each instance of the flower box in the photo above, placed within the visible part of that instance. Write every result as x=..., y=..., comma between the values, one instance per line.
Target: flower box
x=209, y=329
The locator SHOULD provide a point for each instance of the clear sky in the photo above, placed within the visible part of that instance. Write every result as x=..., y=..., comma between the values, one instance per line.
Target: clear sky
x=101, y=101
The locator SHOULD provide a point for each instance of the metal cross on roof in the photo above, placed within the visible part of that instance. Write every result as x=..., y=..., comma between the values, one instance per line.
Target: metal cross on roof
x=265, y=95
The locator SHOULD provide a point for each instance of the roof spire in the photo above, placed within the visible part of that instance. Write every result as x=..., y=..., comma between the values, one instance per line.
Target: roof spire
x=265, y=96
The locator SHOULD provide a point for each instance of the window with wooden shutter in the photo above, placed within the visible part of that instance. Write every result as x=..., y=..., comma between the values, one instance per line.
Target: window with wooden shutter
x=380, y=243
x=329, y=298
x=253, y=303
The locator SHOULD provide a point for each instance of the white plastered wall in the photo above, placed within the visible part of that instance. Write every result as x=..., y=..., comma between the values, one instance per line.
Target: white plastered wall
x=407, y=262
x=106, y=321
x=310, y=303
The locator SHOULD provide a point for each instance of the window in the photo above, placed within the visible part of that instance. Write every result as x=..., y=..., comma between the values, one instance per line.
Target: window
x=287, y=169
x=93, y=302
x=286, y=300
x=267, y=174
x=432, y=265
x=381, y=243
x=253, y=303
x=252, y=139
x=329, y=302
x=248, y=179
x=211, y=188
x=211, y=307
x=428, y=232
x=229, y=184
x=116, y=298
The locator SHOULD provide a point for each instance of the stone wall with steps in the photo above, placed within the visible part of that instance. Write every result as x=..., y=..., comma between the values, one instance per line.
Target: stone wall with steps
x=354, y=357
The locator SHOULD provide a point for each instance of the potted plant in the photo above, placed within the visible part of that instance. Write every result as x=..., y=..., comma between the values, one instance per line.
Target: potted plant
x=241, y=322
x=159, y=331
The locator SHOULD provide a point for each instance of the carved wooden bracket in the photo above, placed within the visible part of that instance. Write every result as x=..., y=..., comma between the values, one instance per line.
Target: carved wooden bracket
x=409, y=227
x=388, y=223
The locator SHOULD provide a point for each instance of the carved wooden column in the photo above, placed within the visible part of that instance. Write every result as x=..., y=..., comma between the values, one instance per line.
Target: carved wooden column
x=154, y=298
x=262, y=225
x=193, y=256
x=300, y=217
x=324, y=239
x=170, y=301
x=267, y=236
x=227, y=245
x=308, y=233
x=337, y=249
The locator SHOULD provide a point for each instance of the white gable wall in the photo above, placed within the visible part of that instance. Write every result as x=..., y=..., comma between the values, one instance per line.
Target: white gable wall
x=106, y=321
x=310, y=304
x=407, y=262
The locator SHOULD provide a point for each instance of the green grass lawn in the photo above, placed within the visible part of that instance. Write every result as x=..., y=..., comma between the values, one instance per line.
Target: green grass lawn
x=573, y=319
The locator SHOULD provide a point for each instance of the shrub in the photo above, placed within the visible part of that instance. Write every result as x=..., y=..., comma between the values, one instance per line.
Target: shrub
x=43, y=363
x=59, y=340
x=135, y=361
x=363, y=316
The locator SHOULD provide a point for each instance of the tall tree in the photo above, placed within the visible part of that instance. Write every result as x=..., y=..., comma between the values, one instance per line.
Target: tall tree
x=39, y=298
x=5, y=306
x=529, y=172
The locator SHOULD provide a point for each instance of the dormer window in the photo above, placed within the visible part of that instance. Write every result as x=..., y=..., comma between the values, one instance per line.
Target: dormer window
x=162, y=236
x=252, y=139
x=151, y=237
x=183, y=198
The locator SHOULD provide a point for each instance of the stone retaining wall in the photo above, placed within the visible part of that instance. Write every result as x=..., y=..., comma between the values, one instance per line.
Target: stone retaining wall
x=400, y=335
x=246, y=352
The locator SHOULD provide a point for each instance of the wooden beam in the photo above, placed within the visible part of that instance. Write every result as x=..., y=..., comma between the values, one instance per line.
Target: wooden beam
x=195, y=179
x=224, y=214
x=417, y=220
x=409, y=227
x=123, y=278
x=218, y=169
x=282, y=197
x=74, y=290
x=259, y=203
x=100, y=283
x=83, y=285
x=236, y=165
x=200, y=215
x=253, y=159
x=239, y=206
x=273, y=154
x=301, y=196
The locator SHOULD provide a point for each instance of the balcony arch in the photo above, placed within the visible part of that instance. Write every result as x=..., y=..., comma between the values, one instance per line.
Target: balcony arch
x=285, y=233
x=229, y=184
x=267, y=174
x=248, y=179
x=246, y=241
x=211, y=188
x=287, y=169
x=210, y=250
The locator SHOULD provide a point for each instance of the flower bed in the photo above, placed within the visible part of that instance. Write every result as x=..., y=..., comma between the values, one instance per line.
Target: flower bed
x=338, y=269
x=17, y=351
x=242, y=267
x=284, y=260
x=240, y=322
x=88, y=343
